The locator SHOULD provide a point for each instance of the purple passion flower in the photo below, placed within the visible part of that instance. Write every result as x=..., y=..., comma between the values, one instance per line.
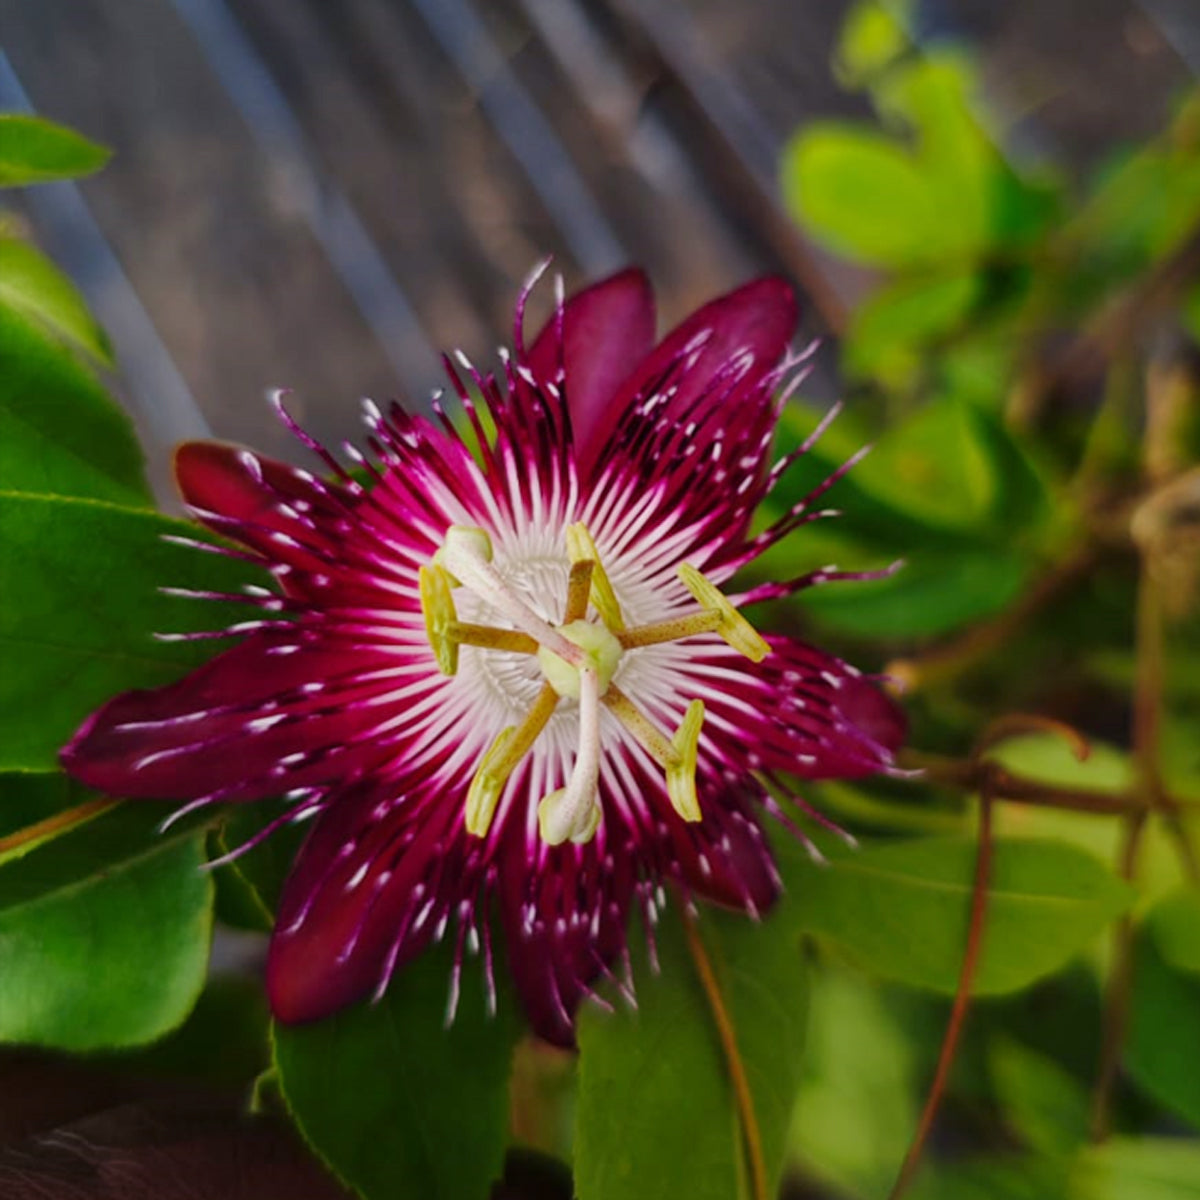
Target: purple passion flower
x=496, y=665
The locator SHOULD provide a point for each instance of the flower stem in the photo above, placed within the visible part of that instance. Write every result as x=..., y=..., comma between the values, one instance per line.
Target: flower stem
x=17, y=844
x=962, y=1000
x=760, y=1189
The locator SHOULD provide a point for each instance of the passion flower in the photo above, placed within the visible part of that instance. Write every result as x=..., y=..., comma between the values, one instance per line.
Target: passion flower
x=497, y=664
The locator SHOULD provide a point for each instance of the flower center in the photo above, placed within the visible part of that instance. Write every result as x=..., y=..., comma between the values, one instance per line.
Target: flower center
x=578, y=660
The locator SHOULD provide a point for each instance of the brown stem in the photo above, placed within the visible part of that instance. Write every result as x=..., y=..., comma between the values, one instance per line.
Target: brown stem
x=1118, y=990
x=962, y=1000
x=24, y=840
x=760, y=1187
x=980, y=775
x=977, y=643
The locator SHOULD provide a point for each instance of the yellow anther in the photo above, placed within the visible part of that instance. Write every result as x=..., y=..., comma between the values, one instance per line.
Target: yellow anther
x=733, y=627
x=511, y=745
x=487, y=783
x=681, y=774
x=581, y=548
x=437, y=607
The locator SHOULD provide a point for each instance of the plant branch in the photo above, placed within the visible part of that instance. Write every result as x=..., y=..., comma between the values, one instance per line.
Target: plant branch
x=962, y=1000
x=960, y=654
x=760, y=1188
x=24, y=840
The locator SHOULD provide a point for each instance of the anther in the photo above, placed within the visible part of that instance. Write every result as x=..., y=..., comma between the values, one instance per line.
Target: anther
x=437, y=607
x=581, y=548
x=681, y=776
x=510, y=746
x=733, y=627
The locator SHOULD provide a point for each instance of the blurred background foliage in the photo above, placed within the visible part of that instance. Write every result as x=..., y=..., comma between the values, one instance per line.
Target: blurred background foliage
x=1023, y=361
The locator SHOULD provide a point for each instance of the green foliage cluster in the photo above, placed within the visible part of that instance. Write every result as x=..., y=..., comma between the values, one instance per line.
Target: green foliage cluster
x=1034, y=466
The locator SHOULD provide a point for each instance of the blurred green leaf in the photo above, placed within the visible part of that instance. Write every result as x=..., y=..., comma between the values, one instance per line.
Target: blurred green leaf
x=1048, y=758
x=888, y=332
x=864, y=196
x=993, y=1177
x=395, y=1103
x=931, y=594
x=60, y=433
x=32, y=284
x=79, y=581
x=656, y=1113
x=1163, y=1046
x=857, y=1106
x=958, y=161
x=104, y=934
x=1145, y=1168
x=1175, y=925
x=1041, y=1100
x=901, y=909
x=33, y=150
x=872, y=37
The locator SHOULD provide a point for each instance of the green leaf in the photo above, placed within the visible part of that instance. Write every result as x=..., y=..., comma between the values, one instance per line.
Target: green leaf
x=396, y=1104
x=33, y=150
x=1145, y=1168
x=1175, y=924
x=862, y=195
x=249, y=888
x=1039, y=1098
x=656, y=1112
x=888, y=332
x=901, y=909
x=104, y=934
x=931, y=594
x=1163, y=1046
x=27, y=797
x=31, y=283
x=857, y=1105
x=79, y=582
x=60, y=433
x=871, y=39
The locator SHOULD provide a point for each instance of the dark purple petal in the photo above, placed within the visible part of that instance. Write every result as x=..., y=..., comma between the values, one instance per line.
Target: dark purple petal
x=564, y=921
x=229, y=727
x=799, y=712
x=725, y=858
x=757, y=319
x=375, y=878
x=606, y=330
x=281, y=512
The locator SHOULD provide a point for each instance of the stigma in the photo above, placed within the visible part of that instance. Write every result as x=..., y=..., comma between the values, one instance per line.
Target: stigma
x=578, y=660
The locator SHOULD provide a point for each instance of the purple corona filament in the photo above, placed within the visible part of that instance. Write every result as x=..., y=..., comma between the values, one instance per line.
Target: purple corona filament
x=497, y=667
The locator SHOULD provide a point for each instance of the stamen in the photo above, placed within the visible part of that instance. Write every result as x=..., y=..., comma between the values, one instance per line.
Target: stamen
x=647, y=734
x=510, y=746
x=574, y=811
x=581, y=548
x=681, y=777
x=579, y=589
x=733, y=627
x=490, y=638
x=466, y=553
x=670, y=631
x=437, y=607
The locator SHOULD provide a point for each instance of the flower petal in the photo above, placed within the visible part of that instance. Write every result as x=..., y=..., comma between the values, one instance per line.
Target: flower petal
x=725, y=858
x=376, y=877
x=564, y=922
x=230, y=727
x=757, y=320
x=606, y=329
x=246, y=496
x=799, y=712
